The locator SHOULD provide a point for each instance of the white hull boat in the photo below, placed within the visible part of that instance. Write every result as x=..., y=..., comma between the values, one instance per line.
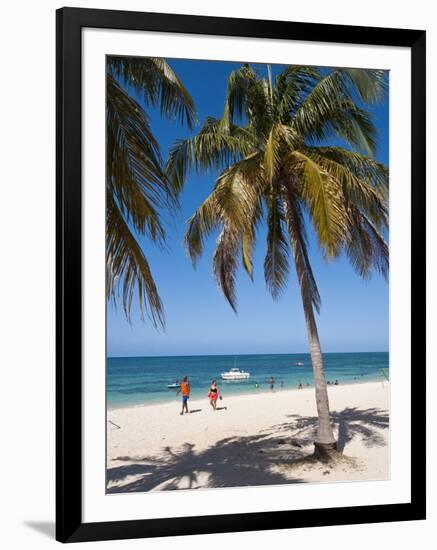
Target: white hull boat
x=235, y=374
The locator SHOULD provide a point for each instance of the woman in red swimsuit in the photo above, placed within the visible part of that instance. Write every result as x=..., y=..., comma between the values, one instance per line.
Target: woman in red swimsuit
x=213, y=394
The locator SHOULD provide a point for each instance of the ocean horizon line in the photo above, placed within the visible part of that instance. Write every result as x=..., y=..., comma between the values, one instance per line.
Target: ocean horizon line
x=238, y=354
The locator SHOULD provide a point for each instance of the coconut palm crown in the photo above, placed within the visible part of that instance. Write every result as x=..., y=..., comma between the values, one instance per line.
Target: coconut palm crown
x=274, y=168
x=137, y=187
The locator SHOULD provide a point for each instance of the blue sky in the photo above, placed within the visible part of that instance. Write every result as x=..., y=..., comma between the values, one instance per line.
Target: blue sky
x=354, y=313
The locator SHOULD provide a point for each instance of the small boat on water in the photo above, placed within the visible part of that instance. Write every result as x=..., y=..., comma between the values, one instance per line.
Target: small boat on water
x=299, y=364
x=174, y=386
x=235, y=374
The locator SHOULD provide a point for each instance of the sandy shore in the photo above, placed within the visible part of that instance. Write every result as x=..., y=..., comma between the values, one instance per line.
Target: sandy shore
x=256, y=440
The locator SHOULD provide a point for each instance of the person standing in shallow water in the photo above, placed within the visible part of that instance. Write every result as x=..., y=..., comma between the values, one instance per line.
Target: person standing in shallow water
x=213, y=395
x=272, y=383
x=184, y=388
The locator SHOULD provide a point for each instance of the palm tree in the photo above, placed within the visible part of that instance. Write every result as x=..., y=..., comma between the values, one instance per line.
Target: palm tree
x=267, y=146
x=137, y=188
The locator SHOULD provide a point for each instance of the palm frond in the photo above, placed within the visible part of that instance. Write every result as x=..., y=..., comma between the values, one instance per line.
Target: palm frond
x=260, y=110
x=329, y=110
x=127, y=267
x=225, y=262
x=249, y=97
x=238, y=191
x=380, y=250
x=355, y=126
x=281, y=138
x=276, y=262
x=363, y=181
x=201, y=224
x=247, y=248
x=291, y=84
x=137, y=188
x=133, y=170
x=236, y=201
x=211, y=147
x=158, y=84
x=297, y=234
x=239, y=83
x=323, y=202
x=370, y=84
x=361, y=166
x=366, y=248
x=271, y=155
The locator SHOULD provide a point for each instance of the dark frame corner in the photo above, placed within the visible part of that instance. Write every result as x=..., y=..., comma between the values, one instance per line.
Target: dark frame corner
x=69, y=24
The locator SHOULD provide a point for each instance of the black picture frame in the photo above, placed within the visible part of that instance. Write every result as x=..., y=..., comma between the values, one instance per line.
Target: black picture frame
x=69, y=525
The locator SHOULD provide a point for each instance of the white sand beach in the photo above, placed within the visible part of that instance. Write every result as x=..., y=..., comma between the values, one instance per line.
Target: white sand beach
x=257, y=439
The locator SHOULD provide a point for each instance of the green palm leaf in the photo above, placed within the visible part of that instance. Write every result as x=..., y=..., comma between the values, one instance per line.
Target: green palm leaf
x=239, y=85
x=137, y=187
x=214, y=146
x=298, y=240
x=281, y=138
x=225, y=262
x=323, y=202
x=366, y=247
x=247, y=248
x=128, y=268
x=358, y=165
x=201, y=224
x=363, y=181
x=329, y=110
x=158, y=84
x=370, y=84
x=291, y=85
x=276, y=263
x=134, y=174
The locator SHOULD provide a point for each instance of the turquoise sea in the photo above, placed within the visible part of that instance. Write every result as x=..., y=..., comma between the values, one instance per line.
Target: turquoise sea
x=143, y=380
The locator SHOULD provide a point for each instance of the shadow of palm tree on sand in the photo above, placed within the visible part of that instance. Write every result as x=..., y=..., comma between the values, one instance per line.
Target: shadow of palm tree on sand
x=350, y=423
x=242, y=461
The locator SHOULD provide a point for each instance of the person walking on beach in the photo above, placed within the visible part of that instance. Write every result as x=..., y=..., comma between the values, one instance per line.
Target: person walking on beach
x=184, y=388
x=213, y=395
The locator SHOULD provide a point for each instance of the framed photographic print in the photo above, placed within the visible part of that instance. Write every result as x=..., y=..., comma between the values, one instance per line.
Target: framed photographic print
x=240, y=274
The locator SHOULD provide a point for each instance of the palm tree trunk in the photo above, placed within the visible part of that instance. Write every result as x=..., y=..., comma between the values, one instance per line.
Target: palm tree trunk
x=325, y=444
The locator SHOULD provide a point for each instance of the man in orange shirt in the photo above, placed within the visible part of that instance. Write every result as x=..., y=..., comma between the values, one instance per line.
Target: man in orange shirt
x=184, y=388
